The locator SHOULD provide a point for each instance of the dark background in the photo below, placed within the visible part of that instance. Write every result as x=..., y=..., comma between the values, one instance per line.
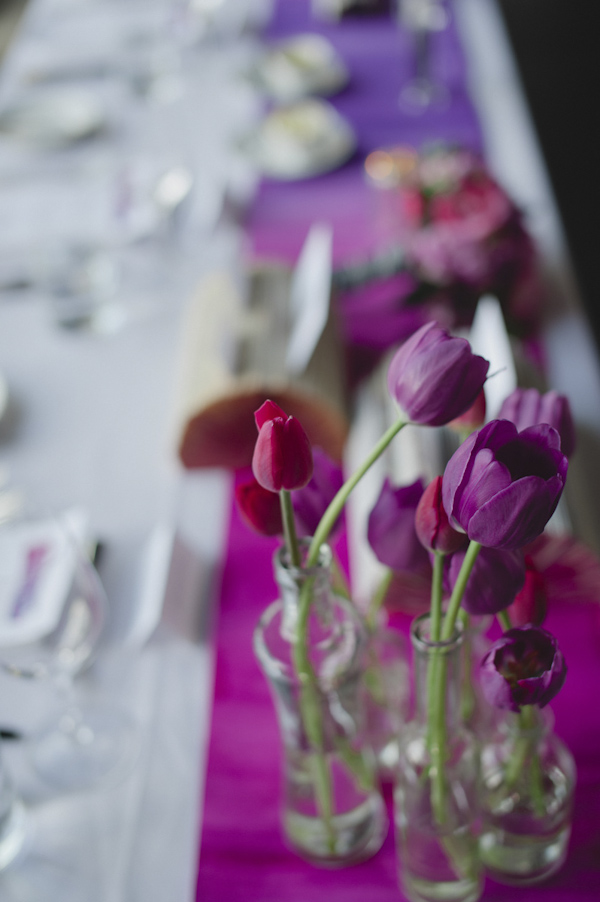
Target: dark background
x=557, y=47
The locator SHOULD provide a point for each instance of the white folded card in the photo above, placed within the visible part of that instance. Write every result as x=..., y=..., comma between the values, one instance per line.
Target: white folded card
x=37, y=565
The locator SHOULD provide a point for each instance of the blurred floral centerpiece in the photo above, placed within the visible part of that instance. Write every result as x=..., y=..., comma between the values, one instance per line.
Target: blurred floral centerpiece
x=460, y=236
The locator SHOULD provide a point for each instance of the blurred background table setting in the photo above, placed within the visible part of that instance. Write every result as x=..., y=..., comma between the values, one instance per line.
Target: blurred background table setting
x=207, y=203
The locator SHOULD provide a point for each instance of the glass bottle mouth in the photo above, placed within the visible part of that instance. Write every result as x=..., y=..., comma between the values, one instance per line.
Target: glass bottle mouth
x=284, y=565
x=539, y=723
x=420, y=638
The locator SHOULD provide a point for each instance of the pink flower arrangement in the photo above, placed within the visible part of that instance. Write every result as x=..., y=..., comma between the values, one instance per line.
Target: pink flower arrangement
x=461, y=236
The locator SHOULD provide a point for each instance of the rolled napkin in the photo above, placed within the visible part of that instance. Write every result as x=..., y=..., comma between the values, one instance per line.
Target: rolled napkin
x=236, y=353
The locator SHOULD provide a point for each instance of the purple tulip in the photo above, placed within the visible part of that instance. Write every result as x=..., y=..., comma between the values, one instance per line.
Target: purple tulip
x=311, y=502
x=391, y=528
x=435, y=377
x=432, y=525
x=502, y=486
x=495, y=579
x=524, y=667
x=527, y=407
x=282, y=455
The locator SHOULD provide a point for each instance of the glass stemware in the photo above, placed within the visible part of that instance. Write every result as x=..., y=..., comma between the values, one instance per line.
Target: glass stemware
x=422, y=18
x=52, y=612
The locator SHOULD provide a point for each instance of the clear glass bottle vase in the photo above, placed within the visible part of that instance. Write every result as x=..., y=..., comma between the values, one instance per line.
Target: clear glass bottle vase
x=436, y=797
x=386, y=680
x=332, y=811
x=528, y=778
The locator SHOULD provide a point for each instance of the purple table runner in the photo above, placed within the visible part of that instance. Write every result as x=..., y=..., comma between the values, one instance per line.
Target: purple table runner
x=242, y=855
x=378, y=56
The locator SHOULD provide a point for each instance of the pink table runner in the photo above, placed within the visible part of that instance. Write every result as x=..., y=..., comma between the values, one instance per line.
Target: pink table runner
x=242, y=855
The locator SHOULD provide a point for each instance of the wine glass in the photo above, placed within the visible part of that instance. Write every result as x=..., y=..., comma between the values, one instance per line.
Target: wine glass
x=422, y=18
x=52, y=612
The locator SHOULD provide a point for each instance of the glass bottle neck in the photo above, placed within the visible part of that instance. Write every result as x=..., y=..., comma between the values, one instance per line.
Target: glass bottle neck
x=291, y=581
x=530, y=722
x=435, y=664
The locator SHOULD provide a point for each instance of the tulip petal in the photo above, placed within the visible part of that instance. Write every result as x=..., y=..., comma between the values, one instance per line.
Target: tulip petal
x=391, y=528
x=517, y=514
x=487, y=479
x=496, y=578
x=267, y=463
x=259, y=508
x=268, y=411
x=296, y=455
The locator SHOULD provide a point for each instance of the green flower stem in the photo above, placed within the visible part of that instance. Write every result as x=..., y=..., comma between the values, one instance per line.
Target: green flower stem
x=437, y=683
x=337, y=504
x=504, y=620
x=436, y=596
x=339, y=581
x=435, y=624
x=437, y=733
x=525, y=752
x=524, y=749
x=310, y=697
x=309, y=689
x=289, y=528
x=377, y=600
x=467, y=694
x=310, y=710
x=459, y=590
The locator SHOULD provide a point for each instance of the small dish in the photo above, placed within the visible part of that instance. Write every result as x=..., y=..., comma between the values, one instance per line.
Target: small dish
x=53, y=118
x=301, y=140
x=304, y=65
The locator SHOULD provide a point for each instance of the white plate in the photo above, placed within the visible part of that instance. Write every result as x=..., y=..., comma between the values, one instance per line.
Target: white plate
x=306, y=64
x=301, y=140
x=53, y=118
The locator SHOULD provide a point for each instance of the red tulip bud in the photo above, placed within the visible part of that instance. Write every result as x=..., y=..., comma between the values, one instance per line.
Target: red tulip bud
x=259, y=508
x=472, y=418
x=531, y=602
x=432, y=525
x=282, y=454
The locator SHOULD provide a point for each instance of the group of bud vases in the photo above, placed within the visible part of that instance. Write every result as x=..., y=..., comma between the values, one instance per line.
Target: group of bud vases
x=473, y=793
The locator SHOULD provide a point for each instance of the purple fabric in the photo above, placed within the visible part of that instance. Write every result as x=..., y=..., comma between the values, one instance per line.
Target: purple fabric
x=242, y=856
x=378, y=56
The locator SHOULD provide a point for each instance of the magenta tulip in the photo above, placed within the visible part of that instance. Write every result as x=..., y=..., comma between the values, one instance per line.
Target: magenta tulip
x=260, y=508
x=434, y=377
x=494, y=581
x=391, y=528
x=282, y=455
x=432, y=524
x=524, y=667
x=502, y=486
x=527, y=407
